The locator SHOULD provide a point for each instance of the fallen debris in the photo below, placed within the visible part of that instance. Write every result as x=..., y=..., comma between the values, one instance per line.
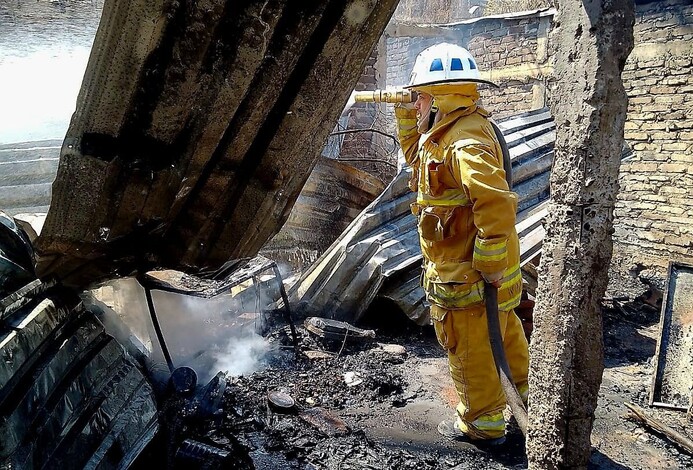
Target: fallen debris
x=673, y=378
x=280, y=401
x=639, y=415
x=352, y=379
x=324, y=420
x=311, y=354
x=337, y=330
x=195, y=454
x=394, y=349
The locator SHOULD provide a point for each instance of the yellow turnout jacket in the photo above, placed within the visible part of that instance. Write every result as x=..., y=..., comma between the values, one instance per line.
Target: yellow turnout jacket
x=465, y=211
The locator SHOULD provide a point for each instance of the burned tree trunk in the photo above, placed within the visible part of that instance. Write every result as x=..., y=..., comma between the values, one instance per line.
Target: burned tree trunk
x=592, y=41
x=196, y=126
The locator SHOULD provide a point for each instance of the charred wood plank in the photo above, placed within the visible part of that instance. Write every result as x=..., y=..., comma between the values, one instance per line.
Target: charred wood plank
x=639, y=415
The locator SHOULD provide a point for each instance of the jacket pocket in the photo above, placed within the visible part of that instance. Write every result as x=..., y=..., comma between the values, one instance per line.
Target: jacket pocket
x=437, y=223
x=433, y=178
x=431, y=226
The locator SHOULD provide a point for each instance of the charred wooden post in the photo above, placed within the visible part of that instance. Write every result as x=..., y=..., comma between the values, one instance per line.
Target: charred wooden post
x=592, y=40
x=196, y=127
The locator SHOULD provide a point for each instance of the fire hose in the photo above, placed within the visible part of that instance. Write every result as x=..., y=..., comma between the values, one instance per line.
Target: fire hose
x=512, y=396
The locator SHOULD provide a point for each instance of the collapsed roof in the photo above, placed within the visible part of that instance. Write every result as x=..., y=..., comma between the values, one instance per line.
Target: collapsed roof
x=196, y=127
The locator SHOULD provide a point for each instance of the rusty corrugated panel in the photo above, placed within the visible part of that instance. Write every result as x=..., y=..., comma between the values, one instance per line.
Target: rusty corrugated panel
x=379, y=254
x=70, y=396
x=196, y=126
x=333, y=196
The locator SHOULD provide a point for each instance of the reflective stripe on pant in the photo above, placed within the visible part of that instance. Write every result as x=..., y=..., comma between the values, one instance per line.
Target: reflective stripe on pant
x=464, y=334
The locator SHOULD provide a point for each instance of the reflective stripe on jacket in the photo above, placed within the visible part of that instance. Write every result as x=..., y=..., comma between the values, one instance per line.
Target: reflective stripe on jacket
x=466, y=214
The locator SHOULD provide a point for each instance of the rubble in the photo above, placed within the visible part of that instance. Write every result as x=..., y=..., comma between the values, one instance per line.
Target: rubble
x=385, y=421
x=389, y=420
x=335, y=330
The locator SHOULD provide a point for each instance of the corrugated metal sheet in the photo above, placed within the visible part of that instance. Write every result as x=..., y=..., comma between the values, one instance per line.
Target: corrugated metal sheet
x=379, y=254
x=27, y=170
x=197, y=125
x=334, y=195
x=672, y=382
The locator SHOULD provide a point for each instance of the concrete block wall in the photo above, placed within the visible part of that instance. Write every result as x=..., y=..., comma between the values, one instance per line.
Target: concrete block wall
x=654, y=213
x=511, y=52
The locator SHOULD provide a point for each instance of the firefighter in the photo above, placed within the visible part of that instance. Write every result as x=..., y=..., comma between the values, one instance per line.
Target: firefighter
x=466, y=224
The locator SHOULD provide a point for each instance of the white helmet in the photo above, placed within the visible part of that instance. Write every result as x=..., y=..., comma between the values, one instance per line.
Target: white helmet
x=444, y=63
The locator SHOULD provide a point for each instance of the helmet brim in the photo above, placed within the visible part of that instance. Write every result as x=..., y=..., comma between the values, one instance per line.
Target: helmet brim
x=451, y=82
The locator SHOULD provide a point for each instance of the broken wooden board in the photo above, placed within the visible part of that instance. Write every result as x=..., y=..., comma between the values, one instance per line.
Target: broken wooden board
x=325, y=421
x=673, y=378
x=326, y=328
x=196, y=126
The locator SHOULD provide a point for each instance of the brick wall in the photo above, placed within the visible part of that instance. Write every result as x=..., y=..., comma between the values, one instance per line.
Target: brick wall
x=370, y=151
x=362, y=115
x=507, y=49
x=654, y=214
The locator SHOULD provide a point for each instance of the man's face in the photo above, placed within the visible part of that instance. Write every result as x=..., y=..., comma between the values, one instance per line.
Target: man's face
x=423, y=104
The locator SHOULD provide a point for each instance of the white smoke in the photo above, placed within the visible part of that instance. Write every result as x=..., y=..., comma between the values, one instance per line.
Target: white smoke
x=242, y=355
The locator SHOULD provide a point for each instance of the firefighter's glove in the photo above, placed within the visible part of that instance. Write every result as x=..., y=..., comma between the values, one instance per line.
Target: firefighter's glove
x=405, y=105
x=493, y=278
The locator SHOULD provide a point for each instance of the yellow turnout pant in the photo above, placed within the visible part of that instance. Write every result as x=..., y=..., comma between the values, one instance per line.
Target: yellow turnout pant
x=464, y=335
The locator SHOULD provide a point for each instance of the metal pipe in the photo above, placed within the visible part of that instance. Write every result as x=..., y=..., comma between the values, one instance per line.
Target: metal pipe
x=287, y=311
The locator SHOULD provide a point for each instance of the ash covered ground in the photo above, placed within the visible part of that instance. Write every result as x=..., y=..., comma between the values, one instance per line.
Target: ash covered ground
x=376, y=406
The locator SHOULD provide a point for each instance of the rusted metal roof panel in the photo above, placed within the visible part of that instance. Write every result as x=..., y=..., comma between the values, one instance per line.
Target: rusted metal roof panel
x=334, y=195
x=379, y=254
x=196, y=126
